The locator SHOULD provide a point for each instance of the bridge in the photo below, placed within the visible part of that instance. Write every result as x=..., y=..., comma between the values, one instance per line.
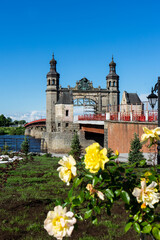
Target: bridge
x=35, y=128
x=112, y=130
x=95, y=122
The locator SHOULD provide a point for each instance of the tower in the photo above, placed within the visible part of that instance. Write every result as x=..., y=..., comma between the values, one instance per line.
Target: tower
x=112, y=81
x=51, y=95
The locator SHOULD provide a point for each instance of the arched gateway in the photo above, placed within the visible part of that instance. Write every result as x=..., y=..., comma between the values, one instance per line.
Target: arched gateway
x=82, y=94
x=60, y=102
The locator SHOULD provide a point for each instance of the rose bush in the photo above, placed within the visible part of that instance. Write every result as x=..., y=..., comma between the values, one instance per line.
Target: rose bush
x=98, y=181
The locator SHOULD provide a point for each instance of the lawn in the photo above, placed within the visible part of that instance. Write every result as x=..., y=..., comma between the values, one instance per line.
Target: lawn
x=32, y=189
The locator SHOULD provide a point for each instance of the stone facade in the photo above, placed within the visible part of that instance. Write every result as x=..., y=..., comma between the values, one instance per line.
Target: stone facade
x=60, y=102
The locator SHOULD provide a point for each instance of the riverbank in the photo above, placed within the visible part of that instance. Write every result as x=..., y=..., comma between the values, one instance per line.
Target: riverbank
x=12, y=130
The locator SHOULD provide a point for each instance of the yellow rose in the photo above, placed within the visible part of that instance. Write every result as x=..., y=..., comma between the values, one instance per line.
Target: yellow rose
x=95, y=158
x=59, y=223
x=68, y=170
x=152, y=135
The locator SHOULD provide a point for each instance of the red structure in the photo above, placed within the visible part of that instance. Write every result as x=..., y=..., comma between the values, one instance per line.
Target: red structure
x=39, y=122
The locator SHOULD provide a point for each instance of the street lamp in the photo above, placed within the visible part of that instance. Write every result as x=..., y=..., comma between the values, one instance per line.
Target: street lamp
x=152, y=98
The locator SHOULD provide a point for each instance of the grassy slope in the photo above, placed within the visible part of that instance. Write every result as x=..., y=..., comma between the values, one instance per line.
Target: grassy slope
x=31, y=191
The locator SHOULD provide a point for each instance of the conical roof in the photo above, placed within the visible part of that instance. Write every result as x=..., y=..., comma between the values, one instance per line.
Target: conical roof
x=112, y=63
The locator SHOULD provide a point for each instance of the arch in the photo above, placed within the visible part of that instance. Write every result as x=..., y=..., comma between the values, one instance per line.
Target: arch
x=84, y=102
x=109, y=83
x=114, y=83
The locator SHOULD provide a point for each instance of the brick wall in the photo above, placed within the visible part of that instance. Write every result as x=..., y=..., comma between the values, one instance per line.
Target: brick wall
x=120, y=134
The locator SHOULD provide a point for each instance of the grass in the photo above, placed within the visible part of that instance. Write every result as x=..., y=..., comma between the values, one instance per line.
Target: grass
x=32, y=190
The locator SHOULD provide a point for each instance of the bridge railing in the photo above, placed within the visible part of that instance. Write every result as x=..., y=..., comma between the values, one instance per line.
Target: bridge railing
x=134, y=116
x=92, y=117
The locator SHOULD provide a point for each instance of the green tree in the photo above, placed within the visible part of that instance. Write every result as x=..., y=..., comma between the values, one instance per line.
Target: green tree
x=135, y=153
x=8, y=122
x=2, y=120
x=22, y=122
x=25, y=146
x=75, y=147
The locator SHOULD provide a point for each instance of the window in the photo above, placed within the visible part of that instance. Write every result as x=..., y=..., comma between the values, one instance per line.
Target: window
x=114, y=84
x=53, y=81
x=59, y=124
x=110, y=84
x=67, y=113
x=67, y=124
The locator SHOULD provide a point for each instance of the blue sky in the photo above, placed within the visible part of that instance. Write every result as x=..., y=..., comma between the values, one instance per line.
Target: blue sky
x=83, y=36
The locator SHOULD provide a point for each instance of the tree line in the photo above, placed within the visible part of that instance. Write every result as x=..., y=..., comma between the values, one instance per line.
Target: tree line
x=7, y=122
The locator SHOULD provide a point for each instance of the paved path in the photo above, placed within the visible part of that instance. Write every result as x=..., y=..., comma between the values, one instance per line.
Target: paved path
x=123, y=157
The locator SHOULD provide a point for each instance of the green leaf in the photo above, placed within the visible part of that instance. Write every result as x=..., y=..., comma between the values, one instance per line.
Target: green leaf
x=144, y=224
x=78, y=216
x=81, y=196
x=70, y=194
x=76, y=201
x=89, y=176
x=77, y=182
x=95, y=221
x=117, y=192
x=156, y=233
x=150, y=218
x=58, y=202
x=97, y=209
x=109, y=194
x=125, y=197
x=88, y=214
x=135, y=217
x=147, y=228
x=95, y=181
x=142, y=162
x=128, y=226
x=137, y=227
x=157, y=224
x=100, y=177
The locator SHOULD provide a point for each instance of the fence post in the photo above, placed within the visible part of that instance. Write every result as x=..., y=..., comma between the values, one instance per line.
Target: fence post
x=146, y=115
x=119, y=116
x=107, y=115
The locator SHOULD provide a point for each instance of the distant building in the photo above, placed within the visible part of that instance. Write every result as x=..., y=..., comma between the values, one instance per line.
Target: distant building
x=131, y=102
x=61, y=101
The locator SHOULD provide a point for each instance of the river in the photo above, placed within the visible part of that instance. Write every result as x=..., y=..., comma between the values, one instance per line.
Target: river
x=14, y=142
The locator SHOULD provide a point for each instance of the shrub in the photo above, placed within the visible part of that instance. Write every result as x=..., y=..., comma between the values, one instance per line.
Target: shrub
x=25, y=146
x=75, y=147
x=135, y=155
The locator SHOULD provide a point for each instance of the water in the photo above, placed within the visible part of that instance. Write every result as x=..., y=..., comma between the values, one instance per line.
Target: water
x=14, y=142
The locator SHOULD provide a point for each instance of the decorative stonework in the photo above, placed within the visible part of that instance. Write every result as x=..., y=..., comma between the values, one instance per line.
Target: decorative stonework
x=84, y=84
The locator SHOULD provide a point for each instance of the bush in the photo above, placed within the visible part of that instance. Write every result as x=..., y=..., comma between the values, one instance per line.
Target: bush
x=75, y=147
x=25, y=146
x=135, y=155
x=2, y=131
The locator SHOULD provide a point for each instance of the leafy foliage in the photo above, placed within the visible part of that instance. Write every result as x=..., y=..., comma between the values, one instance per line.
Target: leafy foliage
x=98, y=191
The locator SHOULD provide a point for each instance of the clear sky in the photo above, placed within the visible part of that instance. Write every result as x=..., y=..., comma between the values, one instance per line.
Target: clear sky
x=83, y=34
